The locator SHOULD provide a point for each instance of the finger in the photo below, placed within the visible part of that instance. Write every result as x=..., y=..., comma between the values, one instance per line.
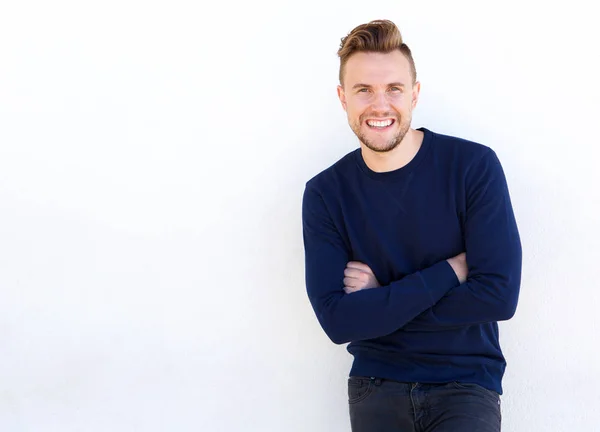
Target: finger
x=358, y=280
x=359, y=266
x=351, y=282
x=350, y=290
x=353, y=273
x=359, y=275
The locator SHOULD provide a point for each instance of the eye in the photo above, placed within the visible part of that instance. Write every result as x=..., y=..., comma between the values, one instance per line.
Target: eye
x=395, y=89
x=363, y=90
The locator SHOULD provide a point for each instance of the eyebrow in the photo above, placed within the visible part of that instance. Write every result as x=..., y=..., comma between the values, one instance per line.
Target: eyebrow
x=361, y=85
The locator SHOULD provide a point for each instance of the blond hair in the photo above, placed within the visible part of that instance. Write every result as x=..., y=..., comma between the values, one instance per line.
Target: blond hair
x=380, y=36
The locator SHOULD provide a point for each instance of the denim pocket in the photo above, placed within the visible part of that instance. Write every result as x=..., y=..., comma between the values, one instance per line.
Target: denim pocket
x=359, y=388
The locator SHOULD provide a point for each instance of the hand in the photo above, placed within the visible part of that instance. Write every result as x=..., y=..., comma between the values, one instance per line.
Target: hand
x=358, y=276
x=459, y=265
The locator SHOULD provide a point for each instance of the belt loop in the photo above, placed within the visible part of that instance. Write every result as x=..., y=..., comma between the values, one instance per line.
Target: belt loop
x=376, y=381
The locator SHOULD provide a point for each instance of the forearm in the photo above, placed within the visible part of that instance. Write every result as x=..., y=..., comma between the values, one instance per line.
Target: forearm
x=377, y=312
x=479, y=300
x=494, y=257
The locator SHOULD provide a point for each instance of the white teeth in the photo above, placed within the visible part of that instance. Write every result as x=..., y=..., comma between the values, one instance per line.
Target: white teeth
x=379, y=123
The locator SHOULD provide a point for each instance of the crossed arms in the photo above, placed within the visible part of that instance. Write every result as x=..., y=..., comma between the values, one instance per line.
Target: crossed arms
x=351, y=305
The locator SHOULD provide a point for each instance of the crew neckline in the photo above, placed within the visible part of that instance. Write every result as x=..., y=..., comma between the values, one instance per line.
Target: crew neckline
x=399, y=173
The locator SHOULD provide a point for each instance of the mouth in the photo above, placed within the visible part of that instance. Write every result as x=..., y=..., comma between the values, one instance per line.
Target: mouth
x=380, y=125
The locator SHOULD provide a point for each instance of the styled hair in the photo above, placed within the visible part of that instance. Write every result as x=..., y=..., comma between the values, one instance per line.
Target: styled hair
x=381, y=36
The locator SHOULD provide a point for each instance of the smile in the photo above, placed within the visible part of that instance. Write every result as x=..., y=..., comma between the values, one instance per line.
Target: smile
x=380, y=124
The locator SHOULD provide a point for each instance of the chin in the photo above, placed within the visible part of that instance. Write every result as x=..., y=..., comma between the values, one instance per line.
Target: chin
x=381, y=147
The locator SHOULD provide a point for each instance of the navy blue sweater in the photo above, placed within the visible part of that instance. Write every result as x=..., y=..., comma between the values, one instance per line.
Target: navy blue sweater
x=421, y=325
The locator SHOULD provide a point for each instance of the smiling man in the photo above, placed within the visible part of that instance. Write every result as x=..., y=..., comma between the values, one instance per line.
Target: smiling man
x=412, y=254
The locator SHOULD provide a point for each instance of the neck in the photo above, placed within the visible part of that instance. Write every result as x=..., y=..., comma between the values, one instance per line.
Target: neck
x=396, y=158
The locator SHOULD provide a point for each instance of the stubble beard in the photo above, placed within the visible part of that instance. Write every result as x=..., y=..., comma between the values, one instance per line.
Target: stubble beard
x=387, y=146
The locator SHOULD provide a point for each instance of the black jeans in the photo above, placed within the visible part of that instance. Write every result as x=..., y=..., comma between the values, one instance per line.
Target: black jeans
x=378, y=405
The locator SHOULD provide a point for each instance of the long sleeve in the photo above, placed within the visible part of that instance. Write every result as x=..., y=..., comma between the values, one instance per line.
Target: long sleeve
x=493, y=252
x=369, y=313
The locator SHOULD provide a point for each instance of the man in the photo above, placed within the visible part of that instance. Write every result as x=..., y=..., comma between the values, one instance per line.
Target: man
x=412, y=254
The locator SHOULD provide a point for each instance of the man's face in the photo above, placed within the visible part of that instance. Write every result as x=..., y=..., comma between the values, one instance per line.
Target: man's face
x=378, y=95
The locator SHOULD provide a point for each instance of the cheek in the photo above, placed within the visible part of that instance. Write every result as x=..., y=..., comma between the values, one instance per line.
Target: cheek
x=357, y=101
x=400, y=102
x=353, y=112
x=403, y=107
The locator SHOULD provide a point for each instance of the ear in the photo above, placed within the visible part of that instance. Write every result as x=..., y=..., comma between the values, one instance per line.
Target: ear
x=415, y=94
x=342, y=96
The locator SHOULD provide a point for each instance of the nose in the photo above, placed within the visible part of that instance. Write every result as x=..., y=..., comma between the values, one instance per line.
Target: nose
x=380, y=102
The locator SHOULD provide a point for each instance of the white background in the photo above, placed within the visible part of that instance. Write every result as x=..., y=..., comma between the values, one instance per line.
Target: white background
x=153, y=157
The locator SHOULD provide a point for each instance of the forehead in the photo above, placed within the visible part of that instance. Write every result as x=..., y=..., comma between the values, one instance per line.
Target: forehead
x=377, y=68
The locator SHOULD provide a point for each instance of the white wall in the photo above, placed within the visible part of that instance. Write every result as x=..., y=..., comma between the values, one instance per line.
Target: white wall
x=152, y=161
